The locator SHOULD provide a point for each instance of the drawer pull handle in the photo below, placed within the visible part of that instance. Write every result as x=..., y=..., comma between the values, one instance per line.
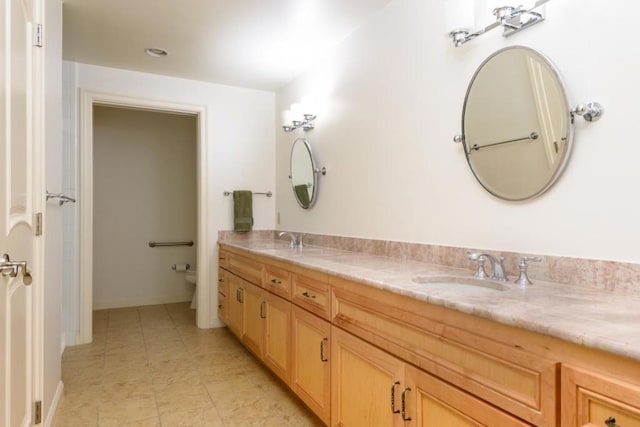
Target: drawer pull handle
x=276, y=281
x=404, y=405
x=393, y=398
x=322, y=358
x=611, y=422
x=262, y=311
x=308, y=295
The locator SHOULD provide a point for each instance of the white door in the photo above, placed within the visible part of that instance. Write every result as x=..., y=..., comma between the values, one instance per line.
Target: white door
x=20, y=190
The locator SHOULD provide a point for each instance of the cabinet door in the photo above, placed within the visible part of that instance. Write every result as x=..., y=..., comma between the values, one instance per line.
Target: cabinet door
x=223, y=291
x=366, y=383
x=590, y=399
x=253, y=326
x=430, y=402
x=235, y=312
x=311, y=371
x=277, y=335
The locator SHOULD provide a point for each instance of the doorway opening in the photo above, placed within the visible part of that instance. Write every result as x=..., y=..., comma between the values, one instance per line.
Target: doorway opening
x=110, y=232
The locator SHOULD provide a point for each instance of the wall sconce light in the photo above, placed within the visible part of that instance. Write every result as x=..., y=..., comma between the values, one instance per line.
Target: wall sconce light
x=511, y=19
x=296, y=118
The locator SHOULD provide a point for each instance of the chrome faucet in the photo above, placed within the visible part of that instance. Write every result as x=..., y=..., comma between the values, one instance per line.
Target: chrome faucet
x=296, y=241
x=497, y=266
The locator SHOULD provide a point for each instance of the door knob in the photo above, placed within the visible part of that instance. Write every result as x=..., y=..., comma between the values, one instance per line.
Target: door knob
x=12, y=268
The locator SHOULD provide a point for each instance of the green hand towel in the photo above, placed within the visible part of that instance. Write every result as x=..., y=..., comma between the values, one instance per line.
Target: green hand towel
x=242, y=211
x=302, y=193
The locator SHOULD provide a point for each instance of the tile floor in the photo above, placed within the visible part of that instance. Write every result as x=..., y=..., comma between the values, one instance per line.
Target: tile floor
x=151, y=366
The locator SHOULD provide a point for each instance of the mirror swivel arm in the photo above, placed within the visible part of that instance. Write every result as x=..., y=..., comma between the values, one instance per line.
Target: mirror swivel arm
x=591, y=112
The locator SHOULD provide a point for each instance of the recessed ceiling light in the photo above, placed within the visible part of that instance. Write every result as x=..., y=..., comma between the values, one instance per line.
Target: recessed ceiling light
x=156, y=52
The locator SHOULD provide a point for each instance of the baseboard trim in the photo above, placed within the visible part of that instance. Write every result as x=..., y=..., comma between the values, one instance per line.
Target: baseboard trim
x=57, y=397
x=134, y=302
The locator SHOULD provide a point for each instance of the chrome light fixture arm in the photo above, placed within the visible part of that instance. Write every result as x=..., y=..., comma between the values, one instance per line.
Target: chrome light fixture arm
x=511, y=19
x=307, y=123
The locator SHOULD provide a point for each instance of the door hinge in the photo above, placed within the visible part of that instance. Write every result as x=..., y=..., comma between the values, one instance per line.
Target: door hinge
x=38, y=221
x=38, y=35
x=37, y=412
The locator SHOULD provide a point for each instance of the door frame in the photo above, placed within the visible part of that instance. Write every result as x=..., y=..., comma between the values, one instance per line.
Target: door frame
x=88, y=99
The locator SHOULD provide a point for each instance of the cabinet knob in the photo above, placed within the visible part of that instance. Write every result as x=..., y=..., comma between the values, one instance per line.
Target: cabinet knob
x=308, y=295
x=611, y=422
x=276, y=281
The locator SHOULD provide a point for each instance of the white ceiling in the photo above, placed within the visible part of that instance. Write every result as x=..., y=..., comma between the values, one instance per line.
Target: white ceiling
x=260, y=44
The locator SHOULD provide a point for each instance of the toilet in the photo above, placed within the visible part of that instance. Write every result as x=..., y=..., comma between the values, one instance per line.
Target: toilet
x=191, y=276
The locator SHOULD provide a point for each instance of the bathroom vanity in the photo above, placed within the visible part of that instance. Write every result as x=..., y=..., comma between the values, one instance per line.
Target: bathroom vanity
x=362, y=342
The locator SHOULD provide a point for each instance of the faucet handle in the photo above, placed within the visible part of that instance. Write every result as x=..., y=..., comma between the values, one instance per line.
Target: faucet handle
x=523, y=278
x=480, y=273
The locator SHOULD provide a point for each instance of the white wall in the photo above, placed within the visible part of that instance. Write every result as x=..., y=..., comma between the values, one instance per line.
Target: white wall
x=144, y=189
x=241, y=146
x=390, y=101
x=52, y=332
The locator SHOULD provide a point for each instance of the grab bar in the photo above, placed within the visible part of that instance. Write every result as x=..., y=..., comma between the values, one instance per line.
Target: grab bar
x=153, y=244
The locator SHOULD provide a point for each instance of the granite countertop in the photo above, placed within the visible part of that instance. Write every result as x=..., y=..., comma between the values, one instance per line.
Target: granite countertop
x=597, y=319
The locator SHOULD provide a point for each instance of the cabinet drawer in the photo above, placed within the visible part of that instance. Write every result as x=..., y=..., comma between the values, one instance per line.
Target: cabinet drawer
x=222, y=307
x=223, y=257
x=278, y=281
x=247, y=268
x=512, y=379
x=312, y=294
x=589, y=399
x=223, y=282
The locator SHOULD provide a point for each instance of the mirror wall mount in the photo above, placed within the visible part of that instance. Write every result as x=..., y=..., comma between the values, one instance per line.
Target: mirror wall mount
x=304, y=173
x=511, y=19
x=517, y=124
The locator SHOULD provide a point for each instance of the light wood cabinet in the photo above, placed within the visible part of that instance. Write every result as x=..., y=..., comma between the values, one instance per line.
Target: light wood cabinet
x=311, y=368
x=312, y=292
x=508, y=377
x=374, y=388
x=248, y=268
x=427, y=401
x=235, y=315
x=357, y=356
x=253, y=324
x=366, y=384
x=590, y=399
x=223, y=291
x=276, y=352
x=277, y=281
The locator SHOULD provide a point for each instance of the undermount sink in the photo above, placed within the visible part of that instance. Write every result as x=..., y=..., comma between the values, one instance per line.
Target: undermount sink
x=460, y=283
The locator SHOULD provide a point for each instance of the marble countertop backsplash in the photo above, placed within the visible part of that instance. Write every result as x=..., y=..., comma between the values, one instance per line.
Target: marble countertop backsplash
x=604, y=315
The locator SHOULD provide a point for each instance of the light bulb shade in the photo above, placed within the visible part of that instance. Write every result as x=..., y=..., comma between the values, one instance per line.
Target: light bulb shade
x=296, y=113
x=286, y=117
x=309, y=105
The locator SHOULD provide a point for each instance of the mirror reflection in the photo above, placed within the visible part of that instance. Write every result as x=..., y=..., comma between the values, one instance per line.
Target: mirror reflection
x=516, y=124
x=302, y=173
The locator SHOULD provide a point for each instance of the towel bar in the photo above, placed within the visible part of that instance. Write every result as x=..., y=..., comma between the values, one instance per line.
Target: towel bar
x=153, y=244
x=268, y=193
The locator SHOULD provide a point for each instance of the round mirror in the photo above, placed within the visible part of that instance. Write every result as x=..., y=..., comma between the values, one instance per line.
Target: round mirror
x=303, y=173
x=516, y=124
